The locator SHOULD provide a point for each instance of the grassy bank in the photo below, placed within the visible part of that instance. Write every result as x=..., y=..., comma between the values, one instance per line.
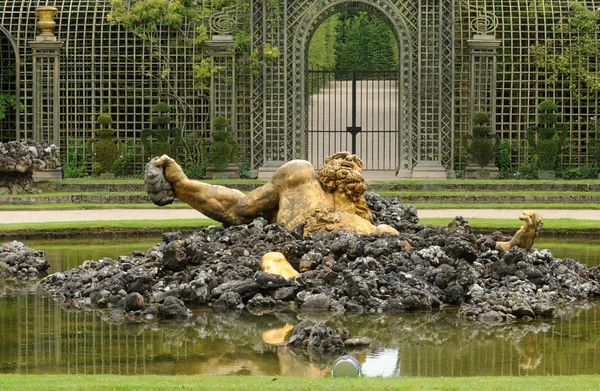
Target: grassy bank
x=109, y=226
x=181, y=205
x=272, y=383
x=559, y=226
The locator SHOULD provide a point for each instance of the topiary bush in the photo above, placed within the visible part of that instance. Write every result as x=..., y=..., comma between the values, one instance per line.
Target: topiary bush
x=105, y=146
x=482, y=144
x=222, y=150
x=547, y=136
x=161, y=139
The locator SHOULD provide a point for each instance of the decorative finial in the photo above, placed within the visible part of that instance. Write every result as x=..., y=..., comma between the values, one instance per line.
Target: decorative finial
x=46, y=13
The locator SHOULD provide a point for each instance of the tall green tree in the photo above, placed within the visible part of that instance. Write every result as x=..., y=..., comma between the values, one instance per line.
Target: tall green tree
x=365, y=42
x=321, y=52
x=573, y=55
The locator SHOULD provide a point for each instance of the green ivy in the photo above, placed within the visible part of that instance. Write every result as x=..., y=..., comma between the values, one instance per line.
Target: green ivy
x=505, y=160
x=7, y=102
x=76, y=165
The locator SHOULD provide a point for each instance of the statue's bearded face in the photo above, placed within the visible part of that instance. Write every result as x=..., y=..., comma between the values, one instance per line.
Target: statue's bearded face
x=343, y=172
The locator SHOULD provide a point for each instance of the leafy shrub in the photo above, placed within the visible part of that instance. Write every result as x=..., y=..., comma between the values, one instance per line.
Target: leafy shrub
x=221, y=150
x=581, y=172
x=528, y=171
x=245, y=171
x=195, y=171
x=124, y=164
x=76, y=166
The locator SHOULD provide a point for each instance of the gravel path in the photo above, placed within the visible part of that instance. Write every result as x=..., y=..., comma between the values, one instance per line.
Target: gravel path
x=42, y=216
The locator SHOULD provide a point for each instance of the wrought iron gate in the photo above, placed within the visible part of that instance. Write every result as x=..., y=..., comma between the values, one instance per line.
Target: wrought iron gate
x=354, y=111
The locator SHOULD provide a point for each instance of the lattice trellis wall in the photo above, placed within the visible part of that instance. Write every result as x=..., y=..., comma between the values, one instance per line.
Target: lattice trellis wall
x=520, y=87
x=102, y=68
x=106, y=68
x=424, y=31
x=7, y=85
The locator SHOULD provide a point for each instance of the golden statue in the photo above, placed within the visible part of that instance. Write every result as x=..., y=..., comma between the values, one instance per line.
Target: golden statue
x=329, y=201
x=527, y=234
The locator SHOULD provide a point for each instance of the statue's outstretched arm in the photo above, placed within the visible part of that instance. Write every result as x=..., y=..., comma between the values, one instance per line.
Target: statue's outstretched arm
x=220, y=203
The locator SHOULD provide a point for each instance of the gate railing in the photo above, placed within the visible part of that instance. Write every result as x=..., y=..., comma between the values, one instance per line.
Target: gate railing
x=357, y=111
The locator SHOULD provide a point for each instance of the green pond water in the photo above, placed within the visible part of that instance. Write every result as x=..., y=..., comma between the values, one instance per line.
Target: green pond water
x=38, y=336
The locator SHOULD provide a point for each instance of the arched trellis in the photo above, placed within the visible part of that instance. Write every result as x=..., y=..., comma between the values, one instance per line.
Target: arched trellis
x=15, y=47
x=424, y=31
x=318, y=13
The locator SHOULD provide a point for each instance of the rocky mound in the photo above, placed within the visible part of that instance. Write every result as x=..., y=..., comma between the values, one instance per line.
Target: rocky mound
x=220, y=267
x=19, y=260
x=18, y=160
x=23, y=156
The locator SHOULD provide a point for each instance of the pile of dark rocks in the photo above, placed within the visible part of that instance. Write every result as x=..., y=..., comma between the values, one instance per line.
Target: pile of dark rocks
x=19, y=260
x=320, y=340
x=18, y=160
x=220, y=267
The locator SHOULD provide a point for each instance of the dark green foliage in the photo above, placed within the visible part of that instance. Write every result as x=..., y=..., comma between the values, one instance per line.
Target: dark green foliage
x=220, y=124
x=7, y=102
x=161, y=139
x=363, y=41
x=245, y=171
x=528, y=171
x=504, y=160
x=481, y=145
x=547, y=137
x=104, y=120
x=76, y=165
x=105, y=147
x=547, y=150
x=195, y=171
x=480, y=118
x=594, y=145
x=481, y=150
x=581, y=172
x=123, y=165
x=221, y=150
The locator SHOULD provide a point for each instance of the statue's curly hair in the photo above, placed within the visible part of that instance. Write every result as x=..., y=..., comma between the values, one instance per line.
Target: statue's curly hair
x=343, y=172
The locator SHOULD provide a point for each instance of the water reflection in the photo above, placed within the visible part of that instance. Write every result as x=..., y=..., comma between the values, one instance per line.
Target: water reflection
x=583, y=250
x=38, y=336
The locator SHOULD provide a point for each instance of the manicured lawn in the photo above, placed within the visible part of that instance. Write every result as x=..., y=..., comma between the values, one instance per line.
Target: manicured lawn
x=553, y=225
x=275, y=383
x=508, y=225
x=108, y=226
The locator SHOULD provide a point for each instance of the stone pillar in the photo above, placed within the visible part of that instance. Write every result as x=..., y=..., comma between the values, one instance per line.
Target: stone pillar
x=223, y=90
x=483, y=88
x=46, y=80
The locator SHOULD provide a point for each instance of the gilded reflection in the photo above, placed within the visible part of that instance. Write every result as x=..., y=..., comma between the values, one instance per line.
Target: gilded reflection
x=38, y=336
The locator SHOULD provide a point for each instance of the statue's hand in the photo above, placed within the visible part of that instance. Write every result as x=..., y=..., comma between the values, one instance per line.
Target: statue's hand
x=159, y=189
x=164, y=160
x=173, y=171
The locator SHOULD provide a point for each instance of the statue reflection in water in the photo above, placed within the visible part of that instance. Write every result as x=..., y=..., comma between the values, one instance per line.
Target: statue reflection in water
x=527, y=347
